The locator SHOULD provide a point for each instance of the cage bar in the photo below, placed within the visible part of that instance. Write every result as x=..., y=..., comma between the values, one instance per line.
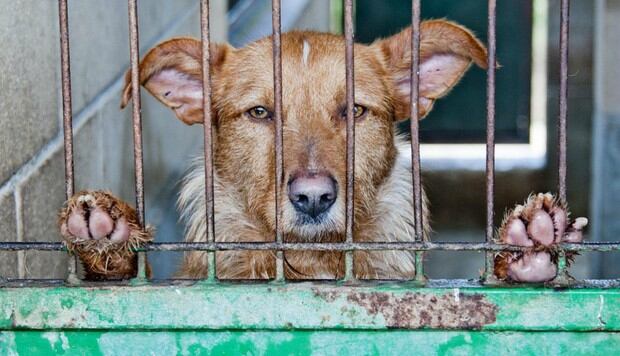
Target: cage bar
x=350, y=95
x=67, y=118
x=420, y=245
x=490, y=144
x=67, y=111
x=415, y=136
x=323, y=246
x=562, y=276
x=277, y=93
x=134, y=58
x=415, y=117
x=208, y=131
x=564, y=18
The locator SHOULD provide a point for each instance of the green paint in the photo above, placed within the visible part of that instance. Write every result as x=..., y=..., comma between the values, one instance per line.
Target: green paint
x=306, y=306
x=310, y=342
x=66, y=303
x=304, y=318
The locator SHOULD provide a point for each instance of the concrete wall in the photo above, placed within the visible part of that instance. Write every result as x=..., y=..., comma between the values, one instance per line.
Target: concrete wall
x=31, y=156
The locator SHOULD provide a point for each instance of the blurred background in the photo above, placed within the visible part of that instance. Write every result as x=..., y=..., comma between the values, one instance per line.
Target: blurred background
x=31, y=157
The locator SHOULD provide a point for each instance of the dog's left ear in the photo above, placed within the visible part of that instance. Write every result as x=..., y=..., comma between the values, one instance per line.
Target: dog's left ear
x=446, y=52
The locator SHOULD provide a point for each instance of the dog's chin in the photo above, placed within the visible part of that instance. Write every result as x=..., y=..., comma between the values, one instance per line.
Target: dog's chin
x=308, y=228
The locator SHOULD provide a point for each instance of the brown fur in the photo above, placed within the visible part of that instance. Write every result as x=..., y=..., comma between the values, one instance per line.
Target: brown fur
x=103, y=259
x=313, y=68
x=534, y=202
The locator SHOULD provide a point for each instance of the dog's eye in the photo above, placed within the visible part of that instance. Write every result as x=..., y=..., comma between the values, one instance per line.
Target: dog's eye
x=259, y=112
x=358, y=111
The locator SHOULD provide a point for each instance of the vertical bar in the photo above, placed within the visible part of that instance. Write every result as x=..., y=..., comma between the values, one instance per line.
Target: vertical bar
x=67, y=111
x=490, y=144
x=564, y=17
x=350, y=96
x=415, y=135
x=66, y=96
x=208, y=131
x=414, y=126
x=562, y=277
x=134, y=57
x=277, y=90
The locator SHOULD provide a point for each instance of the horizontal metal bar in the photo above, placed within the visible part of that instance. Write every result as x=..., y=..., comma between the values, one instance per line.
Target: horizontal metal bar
x=430, y=283
x=316, y=246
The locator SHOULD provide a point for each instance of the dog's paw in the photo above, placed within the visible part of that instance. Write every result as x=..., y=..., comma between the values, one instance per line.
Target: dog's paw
x=540, y=224
x=103, y=231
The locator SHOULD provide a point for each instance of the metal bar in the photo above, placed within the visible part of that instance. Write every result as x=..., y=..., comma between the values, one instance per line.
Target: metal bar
x=134, y=57
x=564, y=18
x=415, y=136
x=350, y=96
x=562, y=276
x=67, y=114
x=415, y=117
x=277, y=92
x=67, y=118
x=208, y=131
x=332, y=246
x=490, y=144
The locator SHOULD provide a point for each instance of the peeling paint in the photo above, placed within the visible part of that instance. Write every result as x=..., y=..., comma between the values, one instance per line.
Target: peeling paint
x=54, y=338
x=600, y=310
x=307, y=306
x=416, y=310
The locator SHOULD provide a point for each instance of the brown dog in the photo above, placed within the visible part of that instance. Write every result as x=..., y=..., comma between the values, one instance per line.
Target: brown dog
x=101, y=228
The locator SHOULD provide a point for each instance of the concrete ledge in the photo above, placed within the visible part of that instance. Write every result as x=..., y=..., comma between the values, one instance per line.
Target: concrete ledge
x=221, y=306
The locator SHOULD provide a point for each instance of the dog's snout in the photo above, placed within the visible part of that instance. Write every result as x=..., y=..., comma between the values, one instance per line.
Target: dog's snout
x=312, y=194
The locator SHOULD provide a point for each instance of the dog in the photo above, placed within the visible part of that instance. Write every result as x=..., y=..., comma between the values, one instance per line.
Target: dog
x=103, y=230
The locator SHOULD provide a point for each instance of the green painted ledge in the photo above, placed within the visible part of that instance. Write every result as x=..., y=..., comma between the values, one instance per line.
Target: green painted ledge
x=308, y=306
x=204, y=318
x=340, y=343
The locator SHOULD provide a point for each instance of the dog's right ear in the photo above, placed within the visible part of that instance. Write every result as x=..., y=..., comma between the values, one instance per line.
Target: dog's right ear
x=172, y=73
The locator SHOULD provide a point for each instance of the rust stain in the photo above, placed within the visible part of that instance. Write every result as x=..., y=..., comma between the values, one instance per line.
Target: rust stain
x=326, y=295
x=416, y=310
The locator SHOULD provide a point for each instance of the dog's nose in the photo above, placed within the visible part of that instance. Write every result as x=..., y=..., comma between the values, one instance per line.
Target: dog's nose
x=312, y=194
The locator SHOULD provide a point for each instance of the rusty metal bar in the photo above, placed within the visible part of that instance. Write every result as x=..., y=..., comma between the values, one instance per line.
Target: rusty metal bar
x=415, y=136
x=134, y=57
x=415, y=117
x=277, y=92
x=67, y=118
x=350, y=96
x=331, y=246
x=67, y=113
x=564, y=18
x=208, y=131
x=562, y=276
x=490, y=144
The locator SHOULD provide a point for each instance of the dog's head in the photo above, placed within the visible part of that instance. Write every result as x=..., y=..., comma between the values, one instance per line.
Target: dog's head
x=313, y=113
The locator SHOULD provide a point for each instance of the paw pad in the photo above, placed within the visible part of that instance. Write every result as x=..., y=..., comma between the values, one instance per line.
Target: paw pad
x=103, y=231
x=540, y=225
